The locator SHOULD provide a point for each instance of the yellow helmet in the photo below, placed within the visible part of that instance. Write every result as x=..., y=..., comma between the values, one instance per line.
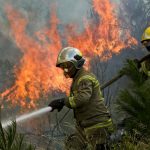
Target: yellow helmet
x=146, y=35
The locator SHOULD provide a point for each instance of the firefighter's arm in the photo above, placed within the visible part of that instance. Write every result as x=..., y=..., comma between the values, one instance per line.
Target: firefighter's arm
x=81, y=96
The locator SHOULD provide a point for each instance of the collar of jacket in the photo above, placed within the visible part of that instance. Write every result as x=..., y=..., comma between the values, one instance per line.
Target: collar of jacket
x=78, y=73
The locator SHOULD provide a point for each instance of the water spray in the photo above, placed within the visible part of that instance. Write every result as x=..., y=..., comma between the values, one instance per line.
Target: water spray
x=25, y=117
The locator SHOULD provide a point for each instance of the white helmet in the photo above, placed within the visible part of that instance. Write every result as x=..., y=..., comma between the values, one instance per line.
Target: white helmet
x=70, y=54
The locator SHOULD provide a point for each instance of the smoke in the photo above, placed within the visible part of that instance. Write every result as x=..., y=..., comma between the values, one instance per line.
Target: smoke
x=73, y=11
x=37, y=12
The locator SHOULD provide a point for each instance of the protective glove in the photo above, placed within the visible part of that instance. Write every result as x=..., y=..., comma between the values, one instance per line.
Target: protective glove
x=57, y=104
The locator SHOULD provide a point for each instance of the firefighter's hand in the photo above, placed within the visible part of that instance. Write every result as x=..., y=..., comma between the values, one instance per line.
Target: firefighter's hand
x=57, y=104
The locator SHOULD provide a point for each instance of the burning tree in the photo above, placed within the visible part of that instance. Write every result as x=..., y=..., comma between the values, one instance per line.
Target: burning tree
x=34, y=78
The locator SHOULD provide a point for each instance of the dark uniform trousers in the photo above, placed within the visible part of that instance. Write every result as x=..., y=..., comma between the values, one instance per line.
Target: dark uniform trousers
x=90, y=139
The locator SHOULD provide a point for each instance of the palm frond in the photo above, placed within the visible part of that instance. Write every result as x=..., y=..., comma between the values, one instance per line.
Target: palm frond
x=135, y=100
x=10, y=134
x=132, y=71
x=11, y=140
x=2, y=138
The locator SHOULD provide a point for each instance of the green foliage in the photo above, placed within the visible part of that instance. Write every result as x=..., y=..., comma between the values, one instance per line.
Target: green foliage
x=130, y=142
x=132, y=71
x=135, y=101
x=11, y=140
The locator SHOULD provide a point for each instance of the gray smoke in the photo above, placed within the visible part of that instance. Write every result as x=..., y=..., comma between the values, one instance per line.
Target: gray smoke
x=37, y=12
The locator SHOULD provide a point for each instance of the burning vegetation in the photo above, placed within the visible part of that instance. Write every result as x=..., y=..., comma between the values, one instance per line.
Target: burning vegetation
x=36, y=76
x=36, y=73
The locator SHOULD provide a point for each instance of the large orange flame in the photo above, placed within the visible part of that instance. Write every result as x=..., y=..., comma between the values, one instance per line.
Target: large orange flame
x=37, y=73
x=104, y=37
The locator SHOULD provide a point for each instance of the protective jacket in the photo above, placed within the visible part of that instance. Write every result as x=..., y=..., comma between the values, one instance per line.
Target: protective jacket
x=145, y=67
x=87, y=102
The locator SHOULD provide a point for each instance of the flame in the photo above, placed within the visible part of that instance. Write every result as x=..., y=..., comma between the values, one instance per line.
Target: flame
x=37, y=74
x=102, y=36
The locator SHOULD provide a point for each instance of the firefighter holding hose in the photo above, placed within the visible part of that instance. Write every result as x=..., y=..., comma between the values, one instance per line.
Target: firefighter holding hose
x=93, y=121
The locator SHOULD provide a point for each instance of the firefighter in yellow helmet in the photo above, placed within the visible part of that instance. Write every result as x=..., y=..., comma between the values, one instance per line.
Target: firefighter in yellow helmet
x=145, y=66
x=93, y=121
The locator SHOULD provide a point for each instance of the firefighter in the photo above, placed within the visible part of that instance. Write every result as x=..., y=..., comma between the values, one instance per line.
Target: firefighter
x=145, y=65
x=93, y=121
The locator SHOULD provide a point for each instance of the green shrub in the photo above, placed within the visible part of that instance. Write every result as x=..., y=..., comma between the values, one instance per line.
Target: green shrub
x=135, y=102
x=11, y=140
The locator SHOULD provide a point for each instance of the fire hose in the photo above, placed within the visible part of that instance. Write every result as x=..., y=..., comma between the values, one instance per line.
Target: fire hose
x=25, y=117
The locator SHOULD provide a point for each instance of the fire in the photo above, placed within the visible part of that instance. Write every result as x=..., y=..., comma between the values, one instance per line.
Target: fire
x=103, y=36
x=37, y=74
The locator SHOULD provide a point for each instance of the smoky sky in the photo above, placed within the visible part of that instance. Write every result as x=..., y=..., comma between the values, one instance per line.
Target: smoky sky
x=37, y=12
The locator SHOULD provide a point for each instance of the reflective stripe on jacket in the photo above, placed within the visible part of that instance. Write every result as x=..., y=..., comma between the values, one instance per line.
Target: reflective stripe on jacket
x=145, y=67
